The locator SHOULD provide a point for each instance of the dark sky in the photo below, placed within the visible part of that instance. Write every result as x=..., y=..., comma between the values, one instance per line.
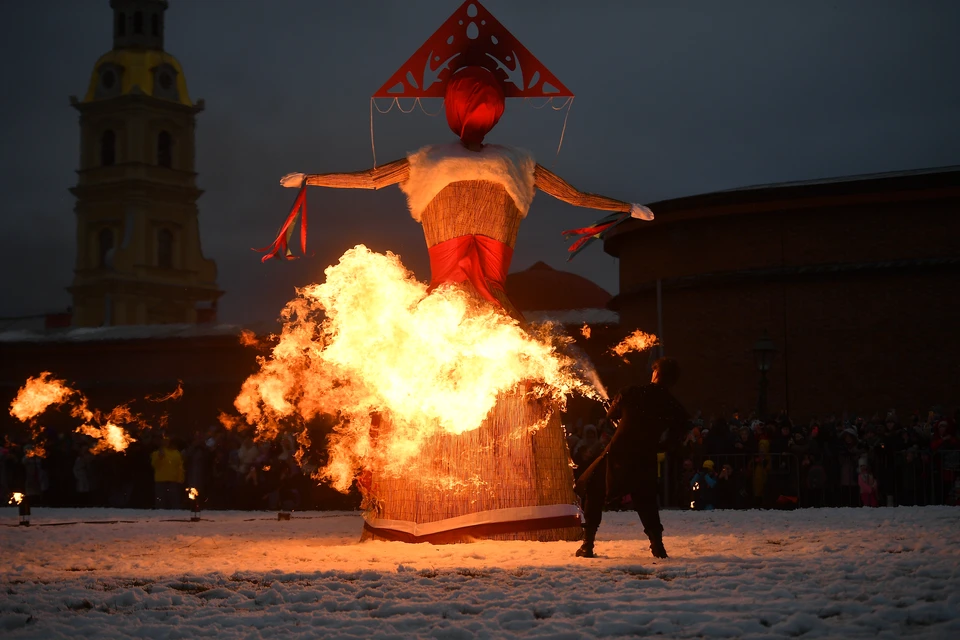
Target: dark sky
x=673, y=98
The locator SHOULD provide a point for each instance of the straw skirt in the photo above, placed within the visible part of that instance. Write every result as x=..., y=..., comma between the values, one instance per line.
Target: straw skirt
x=517, y=458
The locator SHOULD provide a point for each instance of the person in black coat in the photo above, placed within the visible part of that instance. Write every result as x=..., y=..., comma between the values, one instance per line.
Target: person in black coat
x=629, y=462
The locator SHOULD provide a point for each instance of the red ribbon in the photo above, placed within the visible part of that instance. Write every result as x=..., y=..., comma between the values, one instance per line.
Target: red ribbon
x=481, y=260
x=279, y=248
x=586, y=234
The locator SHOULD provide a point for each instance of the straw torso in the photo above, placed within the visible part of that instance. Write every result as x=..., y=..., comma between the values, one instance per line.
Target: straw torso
x=471, y=207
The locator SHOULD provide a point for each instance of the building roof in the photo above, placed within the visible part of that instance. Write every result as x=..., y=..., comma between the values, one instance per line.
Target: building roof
x=138, y=73
x=797, y=272
x=117, y=333
x=911, y=185
x=544, y=293
x=853, y=178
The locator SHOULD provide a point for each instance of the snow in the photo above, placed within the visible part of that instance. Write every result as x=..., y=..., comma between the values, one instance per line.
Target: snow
x=752, y=574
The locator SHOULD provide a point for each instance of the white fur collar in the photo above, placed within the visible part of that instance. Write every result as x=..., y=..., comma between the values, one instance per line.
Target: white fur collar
x=434, y=167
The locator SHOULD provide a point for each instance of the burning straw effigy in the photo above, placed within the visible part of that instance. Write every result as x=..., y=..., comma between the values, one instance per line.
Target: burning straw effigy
x=448, y=402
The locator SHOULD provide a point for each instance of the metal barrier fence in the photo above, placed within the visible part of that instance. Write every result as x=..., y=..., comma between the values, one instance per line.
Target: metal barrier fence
x=744, y=481
x=798, y=480
x=922, y=478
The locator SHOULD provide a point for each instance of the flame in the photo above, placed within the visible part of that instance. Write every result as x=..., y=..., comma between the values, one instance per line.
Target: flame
x=109, y=436
x=35, y=450
x=585, y=331
x=44, y=391
x=303, y=440
x=176, y=394
x=636, y=341
x=37, y=395
x=371, y=339
x=192, y=493
x=249, y=338
x=229, y=422
x=16, y=498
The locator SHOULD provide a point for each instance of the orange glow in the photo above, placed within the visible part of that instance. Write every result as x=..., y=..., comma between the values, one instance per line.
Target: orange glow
x=176, y=394
x=371, y=340
x=44, y=391
x=229, y=422
x=16, y=498
x=192, y=493
x=636, y=341
x=37, y=395
x=585, y=331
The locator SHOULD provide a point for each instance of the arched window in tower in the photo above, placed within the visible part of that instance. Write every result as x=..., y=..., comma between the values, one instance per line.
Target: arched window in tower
x=165, y=149
x=138, y=22
x=104, y=246
x=155, y=26
x=108, y=148
x=121, y=23
x=165, y=249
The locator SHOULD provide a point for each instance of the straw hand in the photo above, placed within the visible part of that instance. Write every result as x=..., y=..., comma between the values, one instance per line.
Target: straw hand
x=294, y=180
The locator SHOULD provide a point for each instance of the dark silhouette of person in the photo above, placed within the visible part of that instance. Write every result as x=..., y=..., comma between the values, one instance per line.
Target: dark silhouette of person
x=647, y=413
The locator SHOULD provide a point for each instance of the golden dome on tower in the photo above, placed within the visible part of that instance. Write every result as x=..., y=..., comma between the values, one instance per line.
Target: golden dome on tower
x=149, y=72
x=138, y=65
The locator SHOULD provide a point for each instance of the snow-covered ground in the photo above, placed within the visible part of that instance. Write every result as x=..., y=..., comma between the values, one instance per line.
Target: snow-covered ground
x=842, y=573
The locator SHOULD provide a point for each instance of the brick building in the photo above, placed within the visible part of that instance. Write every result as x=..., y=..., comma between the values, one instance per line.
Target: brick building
x=855, y=280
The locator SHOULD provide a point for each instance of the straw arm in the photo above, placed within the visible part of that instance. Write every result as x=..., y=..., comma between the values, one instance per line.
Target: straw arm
x=551, y=183
x=376, y=178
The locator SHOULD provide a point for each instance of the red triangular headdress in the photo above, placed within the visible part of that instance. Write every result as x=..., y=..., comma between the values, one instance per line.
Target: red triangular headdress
x=472, y=36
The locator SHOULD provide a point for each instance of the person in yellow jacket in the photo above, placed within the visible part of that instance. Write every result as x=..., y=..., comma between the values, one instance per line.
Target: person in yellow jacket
x=167, y=476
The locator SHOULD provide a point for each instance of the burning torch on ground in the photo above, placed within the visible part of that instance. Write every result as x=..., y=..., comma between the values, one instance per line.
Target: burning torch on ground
x=194, y=496
x=23, y=505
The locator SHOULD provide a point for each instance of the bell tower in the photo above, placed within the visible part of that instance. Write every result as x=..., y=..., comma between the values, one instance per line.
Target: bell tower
x=139, y=259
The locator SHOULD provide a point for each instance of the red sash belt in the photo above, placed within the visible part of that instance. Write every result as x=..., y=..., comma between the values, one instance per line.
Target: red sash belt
x=481, y=260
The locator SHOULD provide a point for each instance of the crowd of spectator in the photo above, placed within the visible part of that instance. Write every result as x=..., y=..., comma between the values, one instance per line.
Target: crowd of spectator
x=743, y=462
x=722, y=462
x=227, y=470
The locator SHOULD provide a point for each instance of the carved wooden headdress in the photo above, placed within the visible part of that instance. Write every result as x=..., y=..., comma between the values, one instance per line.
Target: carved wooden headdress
x=472, y=37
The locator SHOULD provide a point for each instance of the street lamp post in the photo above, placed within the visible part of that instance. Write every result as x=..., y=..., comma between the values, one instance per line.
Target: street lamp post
x=763, y=350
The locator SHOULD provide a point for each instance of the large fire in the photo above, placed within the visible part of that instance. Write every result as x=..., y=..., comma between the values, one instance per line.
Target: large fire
x=373, y=340
x=44, y=391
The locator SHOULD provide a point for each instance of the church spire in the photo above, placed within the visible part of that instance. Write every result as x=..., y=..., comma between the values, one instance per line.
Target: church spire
x=139, y=258
x=138, y=24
